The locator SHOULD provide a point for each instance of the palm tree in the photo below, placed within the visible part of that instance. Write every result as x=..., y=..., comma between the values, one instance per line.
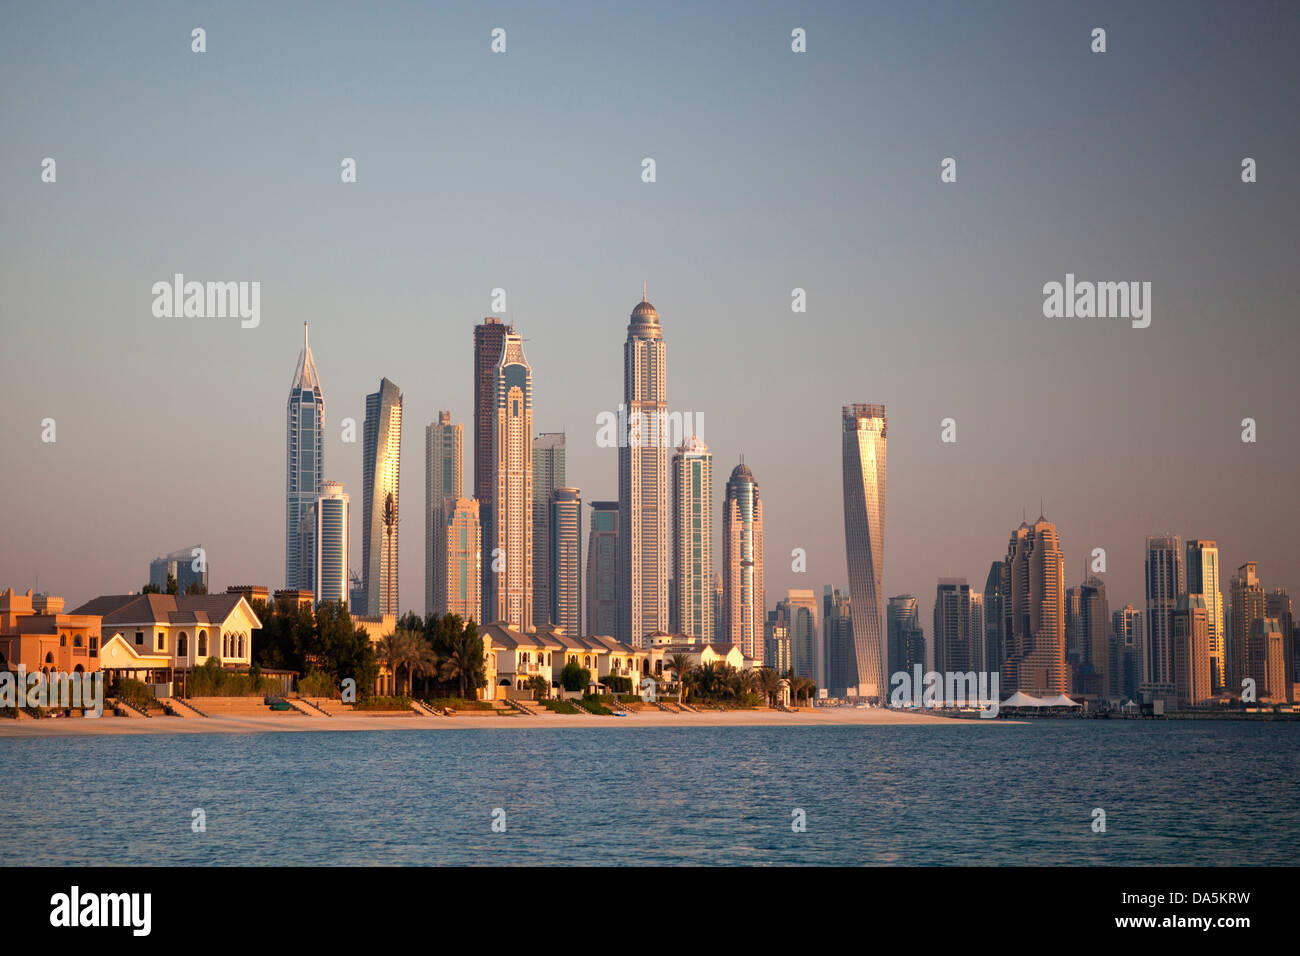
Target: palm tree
x=420, y=660
x=769, y=681
x=681, y=666
x=462, y=659
x=392, y=652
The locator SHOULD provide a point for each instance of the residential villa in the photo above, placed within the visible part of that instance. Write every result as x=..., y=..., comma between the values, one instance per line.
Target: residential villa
x=153, y=637
x=35, y=634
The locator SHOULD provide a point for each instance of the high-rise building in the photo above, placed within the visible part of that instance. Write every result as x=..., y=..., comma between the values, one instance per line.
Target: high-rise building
x=1164, y=586
x=380, y=474
x=1127, y=638
x=603, y=555
x=443, y=486
x=548, y=475
x=906, y=637
x=863, y=452
x=1267, y=660
x=837, y=630
x=1092, y=678
x=645, y=519
x=304, y=455
x=1035, y=609
x=189, y=566
x=1248, y=606
x=489, y=340
x=331, y=543
x=995, y=640
x=692, y=609
x=777, y=652
x=1203, y=579
x=460, y=587
x=719, y=612
x=1277, y=604
x=956, y=630
x=1191, y=651
x=508, y=532
x=806, y=651
x=565, y=542
x=742, y=564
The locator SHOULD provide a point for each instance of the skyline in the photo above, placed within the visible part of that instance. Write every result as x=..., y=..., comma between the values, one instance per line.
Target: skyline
x=896, y=267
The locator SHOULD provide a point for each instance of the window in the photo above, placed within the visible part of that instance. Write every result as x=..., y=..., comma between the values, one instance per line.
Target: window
x=162, y=641
x=76, y=640
x=63, y=640
x=94, y=647
x=139, y=638
x=203, y=643
x=182, y=645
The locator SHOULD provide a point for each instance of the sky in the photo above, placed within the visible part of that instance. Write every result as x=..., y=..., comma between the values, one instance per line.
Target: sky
x=775, y=170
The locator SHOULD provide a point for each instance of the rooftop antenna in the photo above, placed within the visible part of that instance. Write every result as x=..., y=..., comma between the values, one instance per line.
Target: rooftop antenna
x=643, y=298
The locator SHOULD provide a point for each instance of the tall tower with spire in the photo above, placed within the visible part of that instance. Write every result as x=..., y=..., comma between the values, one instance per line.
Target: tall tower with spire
x=304, y=453
x=645, y=515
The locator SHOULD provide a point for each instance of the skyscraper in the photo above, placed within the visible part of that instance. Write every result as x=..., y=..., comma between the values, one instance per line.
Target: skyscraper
x=1164, y=580
x=906, y=637
x=955, y=627
x=443, y=485
x=548, y=475
x=1127, y=637
x=1094, y=623
x=380, y=473
x=603, y=555
x=863, y=451
x=460, y=587
x=1248, y=606
x=304, y=455
x=806, y=649
x=1277, y=605
x=1191, y=651
x=742, y=564
x=693, y=540
x=1267, y=660
x=331, y=543
x=837, y=629
x=1035, y=600
x=995, y=640
x=509, y=529
x=1203, y=579
x=184, y=565
x=565, y=560
x=489, y=339
x=645, y=521
x=777, y=652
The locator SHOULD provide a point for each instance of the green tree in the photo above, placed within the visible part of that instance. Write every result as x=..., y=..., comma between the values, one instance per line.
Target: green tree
x=462, y=658
x=575, y=677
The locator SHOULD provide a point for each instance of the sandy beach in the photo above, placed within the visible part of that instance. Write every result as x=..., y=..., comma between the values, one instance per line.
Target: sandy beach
x=77, y=726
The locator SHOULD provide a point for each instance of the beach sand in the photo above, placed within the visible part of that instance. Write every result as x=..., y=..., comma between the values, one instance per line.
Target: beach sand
x=78, y=726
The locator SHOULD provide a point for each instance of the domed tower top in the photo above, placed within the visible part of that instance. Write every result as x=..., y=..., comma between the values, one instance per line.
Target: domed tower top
x=644, y=320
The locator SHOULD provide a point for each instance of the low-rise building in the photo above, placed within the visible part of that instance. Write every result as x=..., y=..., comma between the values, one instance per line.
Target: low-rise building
x=35, y=634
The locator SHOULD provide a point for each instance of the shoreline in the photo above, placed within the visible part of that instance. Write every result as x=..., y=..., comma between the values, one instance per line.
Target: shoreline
x=100, y=726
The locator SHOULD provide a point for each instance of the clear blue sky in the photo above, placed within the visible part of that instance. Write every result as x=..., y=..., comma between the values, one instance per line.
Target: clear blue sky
x=775, y=170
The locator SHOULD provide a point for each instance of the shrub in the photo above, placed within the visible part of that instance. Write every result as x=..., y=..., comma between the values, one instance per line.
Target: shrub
x=383, y=703
x=137, y=692
x=317, y=684
x=210, y=679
